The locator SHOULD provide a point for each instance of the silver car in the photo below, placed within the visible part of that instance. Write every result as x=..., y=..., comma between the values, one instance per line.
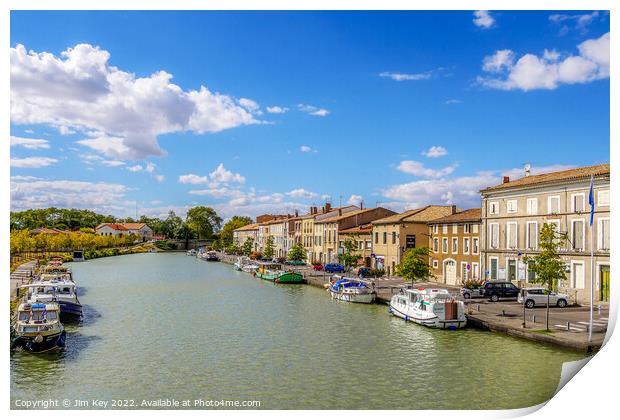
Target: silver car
x=537, y=296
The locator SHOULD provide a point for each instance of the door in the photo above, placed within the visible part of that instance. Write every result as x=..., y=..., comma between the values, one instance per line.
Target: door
x=578, y=276
x=604, y=276
x=512, y=270
x=450, y=272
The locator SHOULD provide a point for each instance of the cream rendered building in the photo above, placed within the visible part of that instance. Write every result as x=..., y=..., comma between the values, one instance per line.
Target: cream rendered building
x=514, y=212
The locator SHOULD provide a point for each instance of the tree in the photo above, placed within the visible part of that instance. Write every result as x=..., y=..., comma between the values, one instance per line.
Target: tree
x=268, y=251
x=297, y=253
x=172, y=226
x=247, y=246
x=204, y=221
x=547, y=265
x=414, y=265
x=348, y=258
x=234, y=223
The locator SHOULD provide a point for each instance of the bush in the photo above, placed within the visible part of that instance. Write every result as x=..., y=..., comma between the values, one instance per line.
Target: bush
x=377, y=272
x=472, y=284
x=165, y=245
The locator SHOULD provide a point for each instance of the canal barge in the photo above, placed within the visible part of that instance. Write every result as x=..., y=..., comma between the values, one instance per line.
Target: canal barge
x=273, y=272
x=352, y=290
x=435, y=308
x=37, y=327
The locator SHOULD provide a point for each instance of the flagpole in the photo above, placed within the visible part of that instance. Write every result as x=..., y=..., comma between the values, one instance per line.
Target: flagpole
x=591, y=200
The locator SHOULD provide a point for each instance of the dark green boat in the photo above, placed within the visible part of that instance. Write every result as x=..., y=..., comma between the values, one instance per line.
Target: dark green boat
x=273, y=272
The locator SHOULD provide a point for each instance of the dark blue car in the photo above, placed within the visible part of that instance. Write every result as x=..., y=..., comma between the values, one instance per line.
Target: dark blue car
x=334, y=268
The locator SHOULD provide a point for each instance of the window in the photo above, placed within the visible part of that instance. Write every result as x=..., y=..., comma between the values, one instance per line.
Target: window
x=578, y=202
x=603, y=198
x=466, y=228
x=444, y=229
x=603, y=234
x=455, y=245
x=455, y=228
x=435, y=244
x=475, y=271
x=578, y=234
x=493, y=207
x=475, y=228
x=475, y=246
x=511, y=206
x=494, y=235
x=553, y=204
x=435, y=229
x=531, y=277
x=435, y=264
x=368, y=244
x=493, y=268
x=464, y=271
x=393, y=238
x=532, y=206
x=532, y=235
x=577, y=276
x=444, y=245
x=384, y=238
x=511, y=235
x=376, y=237
x=465, y=245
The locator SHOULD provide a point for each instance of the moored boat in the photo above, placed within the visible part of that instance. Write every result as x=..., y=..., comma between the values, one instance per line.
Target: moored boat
x=191, y=253
x=211, y=256
x=273, y=272
x=37, y=327
x=435, y=308
x=352, y=290
x=61, y=291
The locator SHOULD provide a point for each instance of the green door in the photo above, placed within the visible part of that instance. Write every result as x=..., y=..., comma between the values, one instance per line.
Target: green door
x=605, y=283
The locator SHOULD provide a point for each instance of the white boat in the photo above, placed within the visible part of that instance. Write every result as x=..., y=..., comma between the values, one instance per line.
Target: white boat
x=435, y=308
x=61, y=291
x=245, y=264
x=191, y=253
x=37, y=328
x=352, y=290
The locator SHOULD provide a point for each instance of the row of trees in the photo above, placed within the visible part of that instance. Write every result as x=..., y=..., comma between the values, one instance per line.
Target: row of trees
x=22, y=241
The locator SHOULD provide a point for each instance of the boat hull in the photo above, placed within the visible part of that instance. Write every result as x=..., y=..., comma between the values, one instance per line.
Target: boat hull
x=284, y=278
x=70, y=311
x=427, y=321
x=353, y=297
x=46, y=343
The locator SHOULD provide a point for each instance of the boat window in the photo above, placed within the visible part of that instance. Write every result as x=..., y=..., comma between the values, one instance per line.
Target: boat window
x=37, y=315
x=51, y=316
x=23, y=316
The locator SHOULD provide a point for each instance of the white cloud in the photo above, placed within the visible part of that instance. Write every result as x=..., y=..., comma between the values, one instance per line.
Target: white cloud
x=483, y=19
x=453, y=102
x=28, y=143
x=103, y=198
x=435, y=152
x=221, y=192
x=399, y=77
x=113, y=163
x=80, y=90
x=276, y=109
x=32, y=162
x=307, y=149
x=463, y=191
x=355, y=200
x=580, y=21
x=250, y=105
x=313, y=110
x=193, y=179
x=150, y=167
x=325, y=197
x=302, y=193
x=159, y=178
x=413, y=167
x=549, y=71
x=222, y=175
x=135, y=168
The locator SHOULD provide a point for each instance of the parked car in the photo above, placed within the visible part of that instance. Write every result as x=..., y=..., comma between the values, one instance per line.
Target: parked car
x=317, y=267
x=334, y=268
x=537, y=296
x=496, y=290
x=364, y=272
x=471, y=293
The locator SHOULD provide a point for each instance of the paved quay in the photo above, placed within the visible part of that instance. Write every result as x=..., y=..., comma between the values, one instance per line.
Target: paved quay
x=22, y=275
x=568, y=326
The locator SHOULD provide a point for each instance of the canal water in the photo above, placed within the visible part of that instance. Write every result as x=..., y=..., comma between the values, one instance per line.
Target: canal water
x=170, y=326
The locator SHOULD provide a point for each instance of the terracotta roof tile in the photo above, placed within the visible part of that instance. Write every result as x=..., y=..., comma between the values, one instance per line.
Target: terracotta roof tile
x=567, y=175
x=470, y=215
x=423, y=215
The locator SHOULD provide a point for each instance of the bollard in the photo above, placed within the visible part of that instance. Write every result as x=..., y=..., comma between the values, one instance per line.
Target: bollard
x=599, y=310
x=534, y=318
x=478, y=307
x=503, y=312
x=567, y=325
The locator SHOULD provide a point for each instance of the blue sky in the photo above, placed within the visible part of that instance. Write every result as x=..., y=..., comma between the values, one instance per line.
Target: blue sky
x=255, y=112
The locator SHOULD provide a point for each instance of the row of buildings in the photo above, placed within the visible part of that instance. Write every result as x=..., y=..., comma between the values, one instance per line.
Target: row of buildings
x=486, y=243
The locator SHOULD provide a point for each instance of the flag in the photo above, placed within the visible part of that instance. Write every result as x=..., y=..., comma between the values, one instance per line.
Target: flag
x=591, y=199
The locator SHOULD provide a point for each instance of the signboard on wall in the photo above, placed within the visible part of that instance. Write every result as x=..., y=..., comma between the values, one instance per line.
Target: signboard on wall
x=501, y=274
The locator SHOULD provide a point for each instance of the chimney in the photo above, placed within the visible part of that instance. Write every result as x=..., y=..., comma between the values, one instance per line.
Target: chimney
x=528, y=169
x=362, y=205
x=506, y=179
x=453, y=208
x=340, y=212
x=296, y=213
x=328, y=207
